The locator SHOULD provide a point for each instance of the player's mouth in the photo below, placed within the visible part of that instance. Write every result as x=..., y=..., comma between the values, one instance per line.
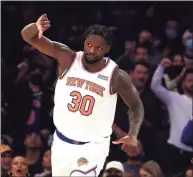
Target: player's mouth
x=90, y=56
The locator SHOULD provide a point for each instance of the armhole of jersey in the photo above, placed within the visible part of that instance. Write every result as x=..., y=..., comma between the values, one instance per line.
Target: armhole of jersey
x=68, y=69
x=111, y=78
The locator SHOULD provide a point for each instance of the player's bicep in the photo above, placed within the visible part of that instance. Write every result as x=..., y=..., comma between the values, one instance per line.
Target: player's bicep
x=44, y=45
x=123, y=86
x=62, y=53
x=50, y=48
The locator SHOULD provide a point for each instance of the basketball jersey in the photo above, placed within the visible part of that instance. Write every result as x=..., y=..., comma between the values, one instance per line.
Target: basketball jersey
x=84, y=105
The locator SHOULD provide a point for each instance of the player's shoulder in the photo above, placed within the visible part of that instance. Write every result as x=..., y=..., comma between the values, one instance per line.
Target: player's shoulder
x=111, y=60
x=120, y=75
x=111, y=65
x=78, y=55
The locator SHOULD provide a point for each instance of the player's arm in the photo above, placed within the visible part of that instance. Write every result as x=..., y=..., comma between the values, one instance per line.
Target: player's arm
x=33, y=34
x=121, y=84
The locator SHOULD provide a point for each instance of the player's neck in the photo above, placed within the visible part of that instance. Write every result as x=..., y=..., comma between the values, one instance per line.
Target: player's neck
x=94, y=67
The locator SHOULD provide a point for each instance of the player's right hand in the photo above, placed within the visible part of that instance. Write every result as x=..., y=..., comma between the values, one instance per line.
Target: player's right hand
x=42, y=24
x=166, y=62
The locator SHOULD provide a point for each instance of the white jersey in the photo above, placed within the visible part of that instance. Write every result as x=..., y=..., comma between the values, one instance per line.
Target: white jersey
x=84, y=105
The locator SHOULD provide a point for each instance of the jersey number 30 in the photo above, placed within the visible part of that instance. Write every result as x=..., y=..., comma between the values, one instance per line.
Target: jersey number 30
x=83, y=104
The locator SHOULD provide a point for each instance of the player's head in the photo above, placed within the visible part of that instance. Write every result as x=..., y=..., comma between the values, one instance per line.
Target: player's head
x=98, y=41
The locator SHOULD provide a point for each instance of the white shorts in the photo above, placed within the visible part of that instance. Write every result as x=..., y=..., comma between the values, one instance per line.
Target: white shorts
x=68, y=159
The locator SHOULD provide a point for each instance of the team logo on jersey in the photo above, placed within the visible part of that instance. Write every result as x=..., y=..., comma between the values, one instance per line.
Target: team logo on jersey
x=103, y=77
x=75, y=142
x=82, y=161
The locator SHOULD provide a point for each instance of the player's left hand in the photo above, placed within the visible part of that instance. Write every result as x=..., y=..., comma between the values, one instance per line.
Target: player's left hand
x=129, y=146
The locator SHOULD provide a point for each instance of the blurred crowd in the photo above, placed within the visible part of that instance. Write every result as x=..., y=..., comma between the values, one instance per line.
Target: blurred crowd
x=153, y=43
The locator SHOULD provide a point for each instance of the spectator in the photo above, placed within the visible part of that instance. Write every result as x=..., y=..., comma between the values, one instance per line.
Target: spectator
x=132, y=165
x=19, y=167
x=151, y=169
x=33, y=155
x=36, y=62
x=171, y=39
x=188, y=60
x=146, y=38
x=189, y=172
x=6, y=158
x=152, y=119
x=46, y=163
x=180, y=111
x=114, y=169
x=142, y=53
x=125, y=60
x=171, y=30
x=187, y=40
x=36, y=86
x=36, y=100
x=177, y=60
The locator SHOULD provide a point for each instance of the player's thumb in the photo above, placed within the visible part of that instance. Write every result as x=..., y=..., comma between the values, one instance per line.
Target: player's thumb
x=120, y=141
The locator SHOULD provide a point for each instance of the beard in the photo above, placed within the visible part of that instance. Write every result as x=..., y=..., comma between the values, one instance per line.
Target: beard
x=189, y=90
x=90, y=62
x=93, y=61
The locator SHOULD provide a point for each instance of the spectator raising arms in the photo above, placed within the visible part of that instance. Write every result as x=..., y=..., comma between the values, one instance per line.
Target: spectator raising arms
x=180, y=111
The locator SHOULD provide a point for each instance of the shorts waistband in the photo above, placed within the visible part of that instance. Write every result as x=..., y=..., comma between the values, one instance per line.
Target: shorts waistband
x=68, y=140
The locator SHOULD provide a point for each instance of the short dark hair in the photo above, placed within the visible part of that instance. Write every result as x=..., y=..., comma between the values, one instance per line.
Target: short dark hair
x=143, y=63
x=144, y=45
x=172, y=58
x=100, y=30
x=188, y=71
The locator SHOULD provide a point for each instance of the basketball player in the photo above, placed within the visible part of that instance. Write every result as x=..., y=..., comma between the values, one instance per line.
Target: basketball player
x=85, y=100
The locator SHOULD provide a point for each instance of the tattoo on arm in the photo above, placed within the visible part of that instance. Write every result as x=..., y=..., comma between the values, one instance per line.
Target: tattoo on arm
x=122, y=84
x=135, y=113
